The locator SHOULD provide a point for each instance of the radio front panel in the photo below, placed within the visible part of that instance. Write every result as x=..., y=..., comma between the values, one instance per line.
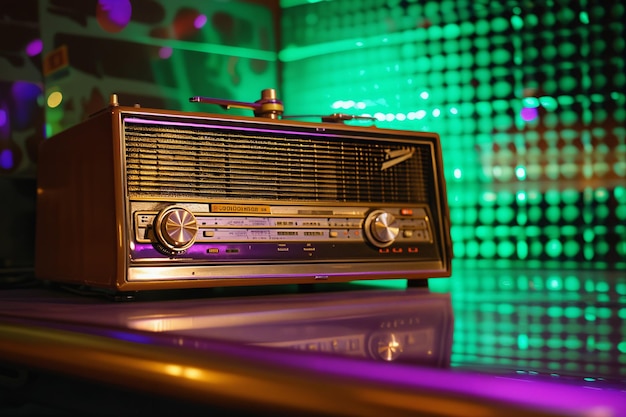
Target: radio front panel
x=157, y=199
x=284, y=234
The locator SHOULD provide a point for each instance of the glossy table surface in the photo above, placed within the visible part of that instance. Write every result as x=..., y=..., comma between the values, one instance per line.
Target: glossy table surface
x=484, y=342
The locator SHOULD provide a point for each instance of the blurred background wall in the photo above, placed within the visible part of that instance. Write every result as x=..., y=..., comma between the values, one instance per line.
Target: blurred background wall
x=60, y=61
x=528, y=98
x=21, y=131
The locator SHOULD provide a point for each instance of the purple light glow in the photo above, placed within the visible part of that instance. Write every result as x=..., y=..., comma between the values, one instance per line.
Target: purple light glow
x=541, y=395
x=113, y=15
x=165, y=52
x=200, y=21
x=547, y=396
x=6, y=159
x=529, y=113
x=118, y=11
x=25, y=98
x=5, y=121
x=34, y=47
x=25, y=91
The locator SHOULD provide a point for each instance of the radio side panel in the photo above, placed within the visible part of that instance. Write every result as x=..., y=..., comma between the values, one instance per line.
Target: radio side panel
x=77, y=219
x=445, y=224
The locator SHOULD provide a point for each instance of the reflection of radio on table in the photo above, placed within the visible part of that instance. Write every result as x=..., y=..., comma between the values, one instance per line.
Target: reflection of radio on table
x=413, y=326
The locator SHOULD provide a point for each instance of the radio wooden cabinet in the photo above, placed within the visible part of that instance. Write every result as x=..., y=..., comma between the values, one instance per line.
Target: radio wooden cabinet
x=140, y=199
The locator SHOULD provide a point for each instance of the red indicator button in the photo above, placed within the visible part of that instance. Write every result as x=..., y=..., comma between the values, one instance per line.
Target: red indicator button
x=406, y=212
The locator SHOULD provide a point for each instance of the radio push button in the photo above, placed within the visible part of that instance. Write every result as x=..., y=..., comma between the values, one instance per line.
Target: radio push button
x=381, y=228
x=176, y=228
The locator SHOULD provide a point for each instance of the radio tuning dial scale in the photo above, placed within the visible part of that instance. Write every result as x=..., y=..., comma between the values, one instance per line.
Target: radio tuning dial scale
x=176, y=229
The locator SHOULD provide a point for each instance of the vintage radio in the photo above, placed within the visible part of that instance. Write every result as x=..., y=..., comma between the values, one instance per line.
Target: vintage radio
x=141, y=199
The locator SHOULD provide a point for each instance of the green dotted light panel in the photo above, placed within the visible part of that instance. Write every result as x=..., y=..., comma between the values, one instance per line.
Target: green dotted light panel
x=528, y=98
x=562, y=323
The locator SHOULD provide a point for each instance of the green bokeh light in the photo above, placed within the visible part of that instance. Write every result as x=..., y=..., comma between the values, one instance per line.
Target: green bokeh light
x=468, y=77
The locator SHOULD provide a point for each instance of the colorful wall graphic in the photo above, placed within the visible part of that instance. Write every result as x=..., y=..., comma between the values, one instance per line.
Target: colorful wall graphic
x=60, y=61
x=153, y=53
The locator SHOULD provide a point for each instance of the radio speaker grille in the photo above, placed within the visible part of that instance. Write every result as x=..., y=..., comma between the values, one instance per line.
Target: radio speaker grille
x=209, y=162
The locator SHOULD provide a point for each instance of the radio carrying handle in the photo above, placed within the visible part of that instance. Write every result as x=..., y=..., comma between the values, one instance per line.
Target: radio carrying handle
x=270, y=107
x=267, y=106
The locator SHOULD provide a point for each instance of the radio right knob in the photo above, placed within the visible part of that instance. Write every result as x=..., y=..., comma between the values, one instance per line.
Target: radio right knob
x=387, y=347
x=381, y=228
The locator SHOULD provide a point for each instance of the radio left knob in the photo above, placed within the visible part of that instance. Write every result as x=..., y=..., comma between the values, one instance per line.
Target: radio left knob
x=176, y=228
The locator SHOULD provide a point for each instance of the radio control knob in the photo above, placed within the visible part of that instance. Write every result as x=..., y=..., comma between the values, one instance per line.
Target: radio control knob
x=381, y=228
x=176, y=228
x=387, y=347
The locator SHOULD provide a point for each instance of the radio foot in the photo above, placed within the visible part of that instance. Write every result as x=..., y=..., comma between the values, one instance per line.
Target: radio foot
x=306, y=288
x=83, y=290
x=417, y=283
